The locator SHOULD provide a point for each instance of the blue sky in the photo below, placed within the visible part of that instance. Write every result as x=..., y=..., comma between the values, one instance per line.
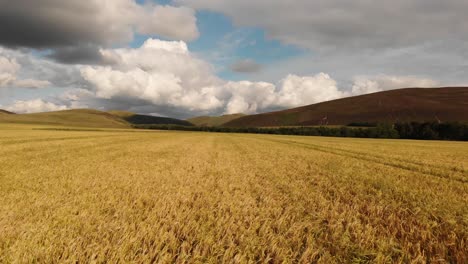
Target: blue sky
x=222, y=44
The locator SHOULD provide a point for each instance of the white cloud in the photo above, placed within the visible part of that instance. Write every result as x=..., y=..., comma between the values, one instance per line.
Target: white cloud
x=302, y=90
x=165, y=73
x=34, y=106
x=161, y=72
x=372, y=84
x=165, y=77
x=292, y=91
x=173, y=22
x=249, y=97
x=31, y=83
x=9, y=69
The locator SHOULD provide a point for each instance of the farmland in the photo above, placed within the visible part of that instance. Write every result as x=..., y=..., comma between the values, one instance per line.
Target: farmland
x=109, y=195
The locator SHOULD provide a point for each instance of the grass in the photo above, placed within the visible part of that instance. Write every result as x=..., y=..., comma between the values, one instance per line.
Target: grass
x=165, y=197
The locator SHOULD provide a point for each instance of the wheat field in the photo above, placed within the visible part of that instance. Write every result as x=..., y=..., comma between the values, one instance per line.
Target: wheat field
x=128, y=196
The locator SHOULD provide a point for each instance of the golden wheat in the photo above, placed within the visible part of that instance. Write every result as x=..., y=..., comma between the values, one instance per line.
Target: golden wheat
x=169, y=197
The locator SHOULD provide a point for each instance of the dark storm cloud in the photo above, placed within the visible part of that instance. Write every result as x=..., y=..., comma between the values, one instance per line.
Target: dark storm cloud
x=86, y=54
x=49, y=23
x=74, y=30
x=68, y=28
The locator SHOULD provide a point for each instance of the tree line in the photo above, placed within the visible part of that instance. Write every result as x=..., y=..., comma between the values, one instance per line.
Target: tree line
x=404, y=130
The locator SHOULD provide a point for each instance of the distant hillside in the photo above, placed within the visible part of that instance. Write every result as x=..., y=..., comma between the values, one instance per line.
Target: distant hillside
x=410, y=104
x=213, y=120
x=88, y=118
x=138, y=119
x=121, y=114
x=5, y=112
x=77, y=117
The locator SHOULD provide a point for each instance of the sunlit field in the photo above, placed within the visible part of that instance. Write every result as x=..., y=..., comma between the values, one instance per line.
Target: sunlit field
x=175, y=197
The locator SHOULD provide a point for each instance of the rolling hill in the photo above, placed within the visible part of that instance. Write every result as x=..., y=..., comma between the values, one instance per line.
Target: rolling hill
x=409, y=104
x=76, y=117
x=138, y=119
x=5, y=112
x=87, y=118
x=213, y=120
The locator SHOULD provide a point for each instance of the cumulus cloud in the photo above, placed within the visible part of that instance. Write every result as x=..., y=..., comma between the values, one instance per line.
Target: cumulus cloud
x=9, y=68
x=249, y=97
x=292, y=91
x=301, y=90
x=324, y=24
x=161, y=72
x=165, y=77
x=33, y=69
x=34, y=106
x=166, y=73
x=372, y=84
x=74, y=28
x=246, y=66
x=173, y=22
x=30, y=83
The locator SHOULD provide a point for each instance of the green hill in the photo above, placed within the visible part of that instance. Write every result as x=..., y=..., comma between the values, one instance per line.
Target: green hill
x=447, y=104
x=5, y=112
x=120, y=113
x=138, y=119
x=88, y=118
x=213, y=120
x=77, y=118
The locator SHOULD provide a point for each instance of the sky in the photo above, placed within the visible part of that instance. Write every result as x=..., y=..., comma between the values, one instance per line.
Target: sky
x=184, y=58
